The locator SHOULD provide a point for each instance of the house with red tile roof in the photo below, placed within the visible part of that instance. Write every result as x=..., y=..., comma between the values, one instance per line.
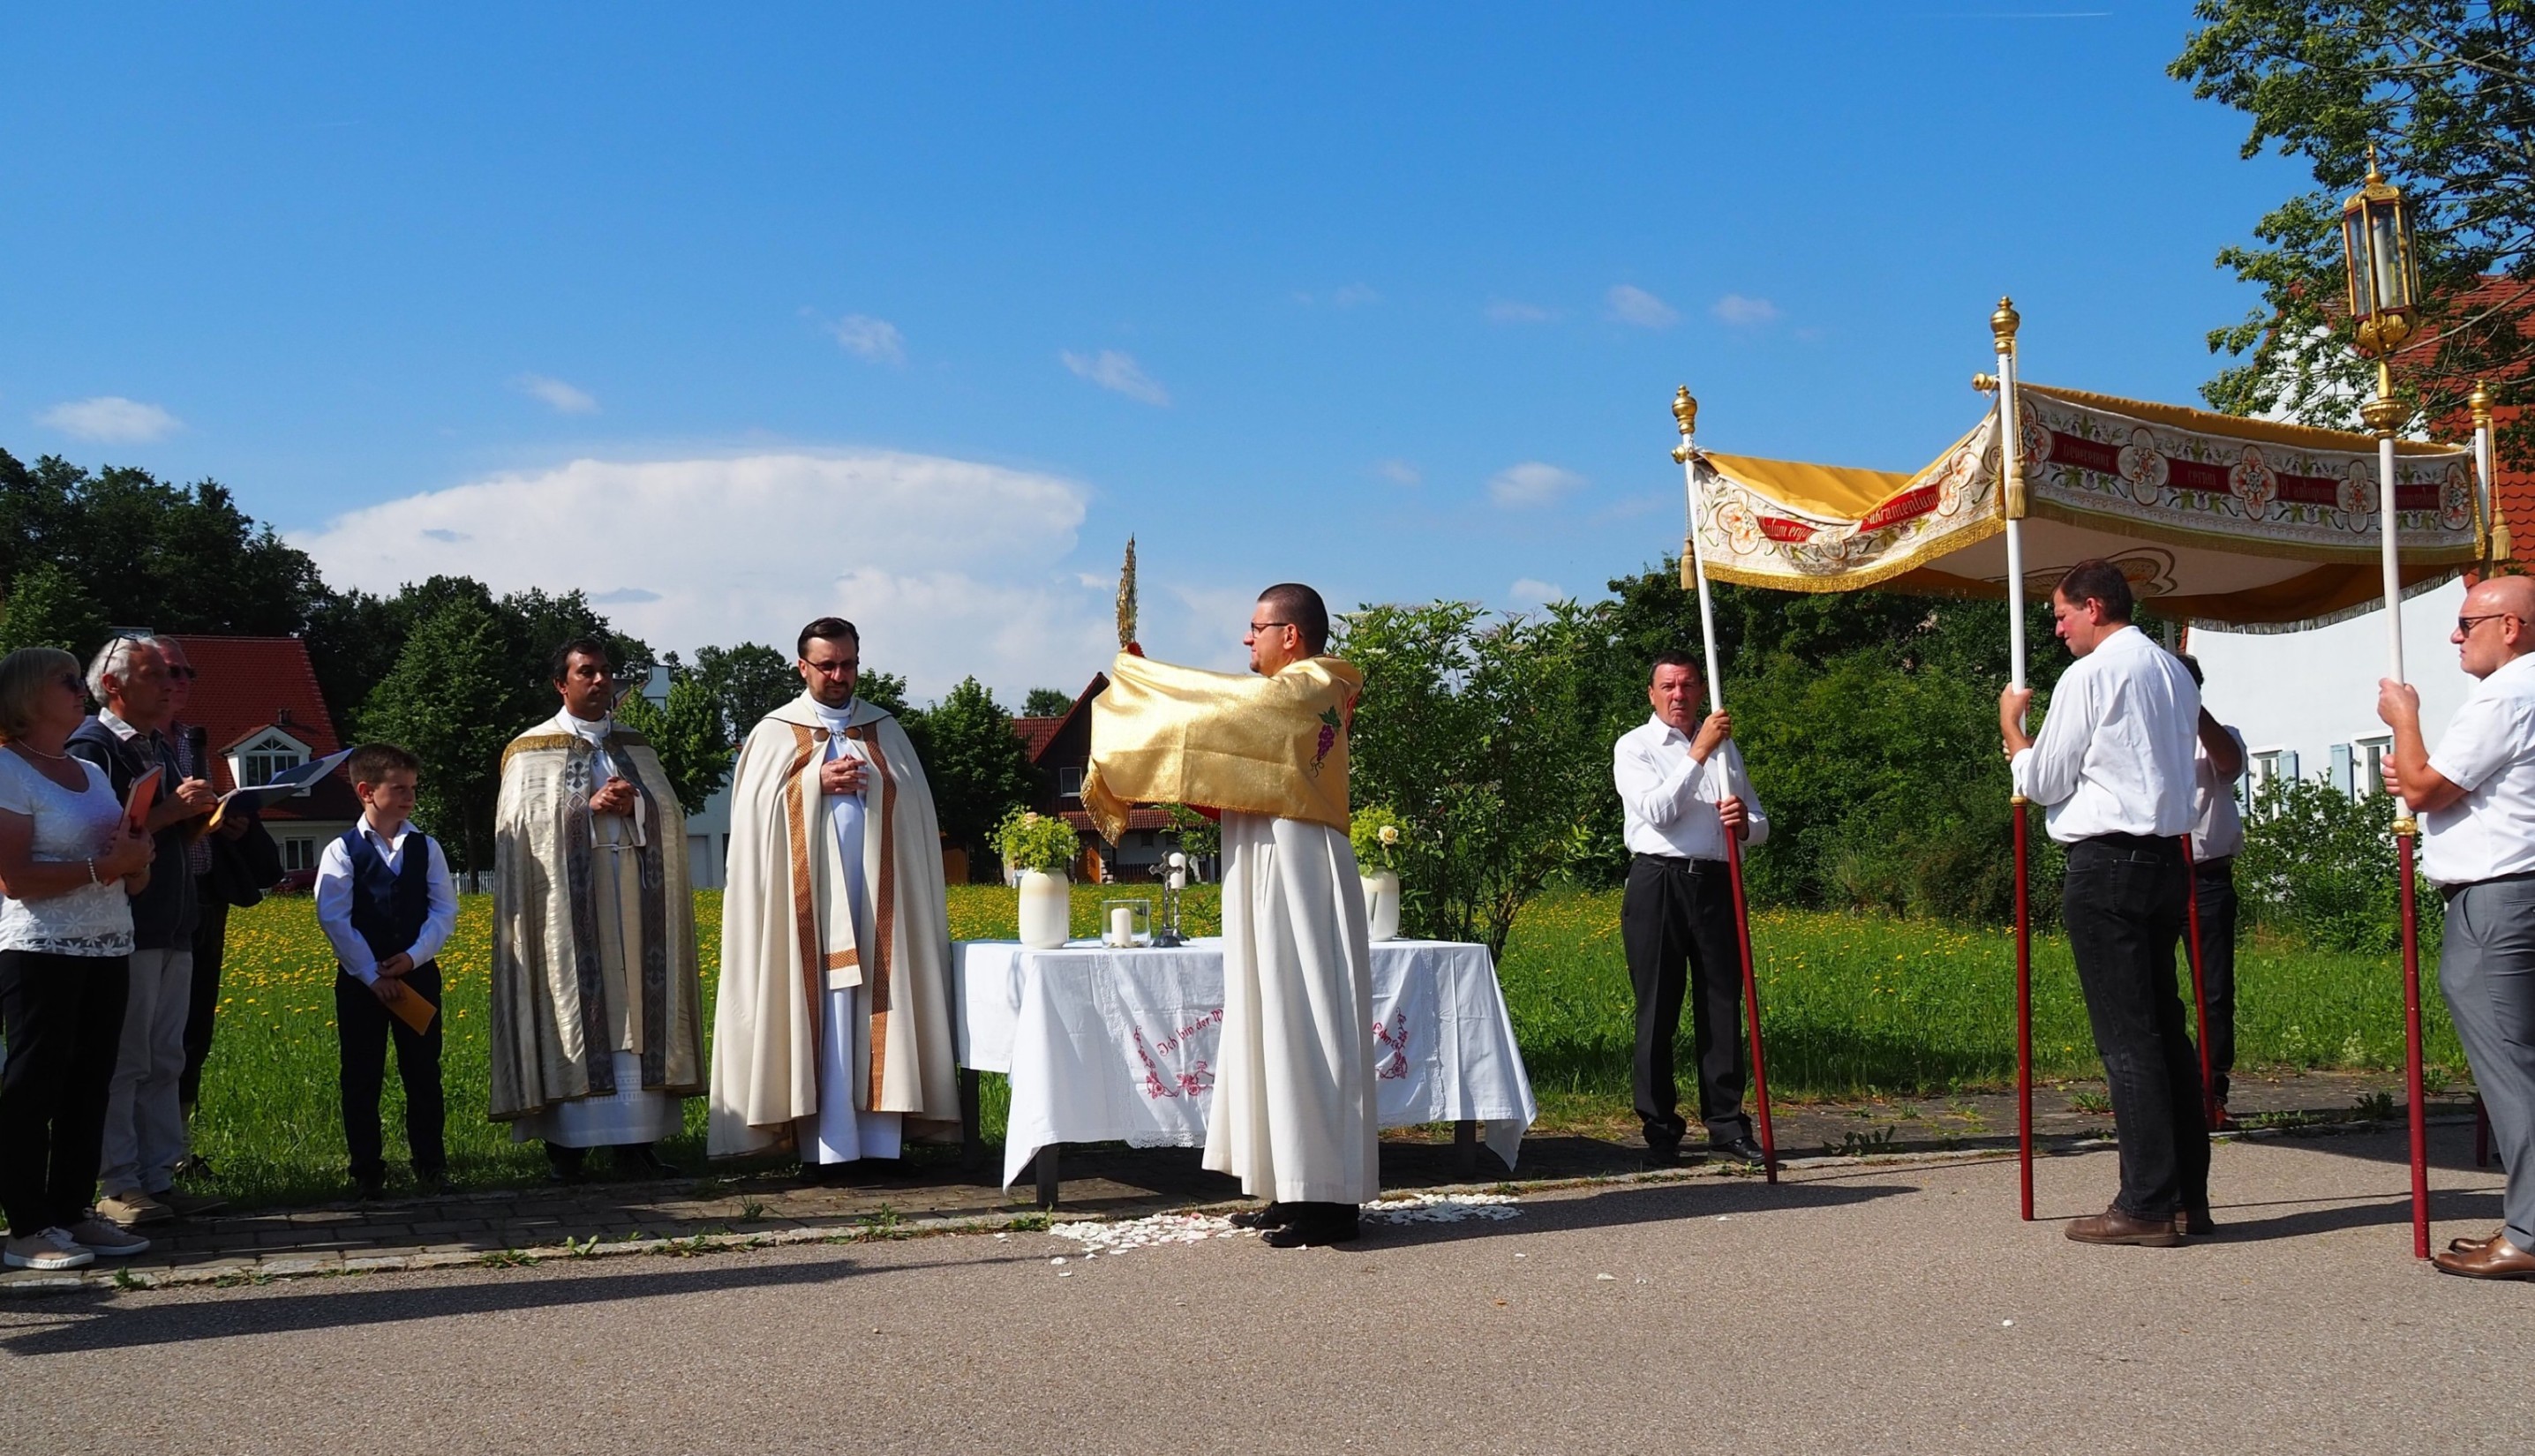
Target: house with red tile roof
x=1059, y=748
x=258, y=704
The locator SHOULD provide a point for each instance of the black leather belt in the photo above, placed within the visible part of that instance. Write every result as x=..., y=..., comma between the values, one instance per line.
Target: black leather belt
x=1679, y=862
x=2452, y=890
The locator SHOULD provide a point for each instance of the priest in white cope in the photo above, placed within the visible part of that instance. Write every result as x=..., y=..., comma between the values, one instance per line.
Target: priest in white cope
x=596, y=1025
x=1293, y=1109
x=832, y=1026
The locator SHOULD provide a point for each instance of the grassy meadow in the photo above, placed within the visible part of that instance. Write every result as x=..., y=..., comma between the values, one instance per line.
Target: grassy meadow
x=1853, y=1004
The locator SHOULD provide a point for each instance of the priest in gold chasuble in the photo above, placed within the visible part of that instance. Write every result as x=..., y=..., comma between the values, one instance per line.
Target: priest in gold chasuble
x=1293, y=1111
x=832, y=1022
x=596, y=1028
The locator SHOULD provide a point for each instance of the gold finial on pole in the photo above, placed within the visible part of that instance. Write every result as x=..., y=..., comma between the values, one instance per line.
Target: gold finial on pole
x=2001, y=325
x=2480, y=400
x=1685, y=410
x=1985, y=383
x=1127, y=598
x=2376, y=178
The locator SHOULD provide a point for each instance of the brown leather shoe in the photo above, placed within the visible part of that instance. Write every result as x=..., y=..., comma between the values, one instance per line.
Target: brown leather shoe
x=2496, y=1260
x=2111, y=1226
x=2474, y=1246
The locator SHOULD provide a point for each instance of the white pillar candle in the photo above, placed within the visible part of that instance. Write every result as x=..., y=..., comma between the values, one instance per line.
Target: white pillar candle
x=1122, y=925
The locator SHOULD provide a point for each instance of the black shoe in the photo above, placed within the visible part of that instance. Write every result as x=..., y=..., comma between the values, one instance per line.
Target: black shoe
x=369, y=1188
x=639, y=1160
x=1743, y=1150
x=1314, y=1225
x=433, y=1181
x=1273, y=1216
x=1659, y=1156
x=566, y=1165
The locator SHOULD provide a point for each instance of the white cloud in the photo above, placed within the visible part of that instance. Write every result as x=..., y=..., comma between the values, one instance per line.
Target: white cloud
x=1745, y=313
x=1353, y=294
x=865, y=337
x=1528, y=592
x=1398, y=472
x=1532, y=483
x=111, y=419
x=557, y=395
x=1112, y=370
x=1636, y=306
x=1514, y=311
x=949, y=566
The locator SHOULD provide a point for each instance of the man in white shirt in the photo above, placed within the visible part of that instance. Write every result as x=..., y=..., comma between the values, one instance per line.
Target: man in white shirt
x=1681, y=791
x=2476, y=799
x=2113, y=768
x=2217, y=834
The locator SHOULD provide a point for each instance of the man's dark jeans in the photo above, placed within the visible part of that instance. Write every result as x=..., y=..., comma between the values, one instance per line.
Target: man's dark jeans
x=2123, y=903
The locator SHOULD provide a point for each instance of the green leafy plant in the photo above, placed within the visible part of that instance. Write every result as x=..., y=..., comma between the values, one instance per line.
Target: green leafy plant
x=1029, y=840
x=1375, y=830
x=1197, y=836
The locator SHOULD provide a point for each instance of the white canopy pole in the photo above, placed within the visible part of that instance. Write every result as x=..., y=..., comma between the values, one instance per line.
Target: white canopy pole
x=1685, y=411
x=2010, y=457
x=2484, y=467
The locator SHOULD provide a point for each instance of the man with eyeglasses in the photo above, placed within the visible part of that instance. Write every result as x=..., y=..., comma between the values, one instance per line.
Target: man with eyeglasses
x=831, y=1021
x=1293, y=1111
x=144, y=1118
x=2476, y=799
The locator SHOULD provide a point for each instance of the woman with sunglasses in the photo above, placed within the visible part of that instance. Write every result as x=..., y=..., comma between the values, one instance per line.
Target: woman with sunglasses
x=69, y=865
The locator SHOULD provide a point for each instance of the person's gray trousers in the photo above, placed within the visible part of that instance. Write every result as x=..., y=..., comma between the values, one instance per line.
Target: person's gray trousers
x=2487, y=970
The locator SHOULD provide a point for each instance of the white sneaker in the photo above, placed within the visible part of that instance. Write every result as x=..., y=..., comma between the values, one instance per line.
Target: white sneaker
x=53, y=1248
x=99, y=1237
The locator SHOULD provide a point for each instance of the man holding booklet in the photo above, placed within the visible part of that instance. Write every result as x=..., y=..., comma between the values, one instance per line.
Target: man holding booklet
x=145, y=1122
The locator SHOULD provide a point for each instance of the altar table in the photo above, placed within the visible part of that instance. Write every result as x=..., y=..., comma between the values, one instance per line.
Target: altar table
x=1111, y=1045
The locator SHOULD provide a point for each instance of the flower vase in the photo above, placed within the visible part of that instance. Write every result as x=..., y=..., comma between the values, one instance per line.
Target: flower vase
x=1047, y=905
x=1382, y=904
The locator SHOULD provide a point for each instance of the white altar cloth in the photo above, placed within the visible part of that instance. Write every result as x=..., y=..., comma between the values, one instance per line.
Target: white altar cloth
x=1105, y=1045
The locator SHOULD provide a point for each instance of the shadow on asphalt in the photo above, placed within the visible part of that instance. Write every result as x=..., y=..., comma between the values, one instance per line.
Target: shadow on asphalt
x=1643, y=1203
x=97, y=1322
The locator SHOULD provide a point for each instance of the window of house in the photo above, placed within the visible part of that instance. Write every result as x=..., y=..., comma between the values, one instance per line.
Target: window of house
x=1069, y=783
x=2269, y=765
x=2371, y=755
x=267, y=758
x=298, y=854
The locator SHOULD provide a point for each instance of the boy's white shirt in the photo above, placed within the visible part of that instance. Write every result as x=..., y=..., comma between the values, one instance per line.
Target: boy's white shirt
x=334, y=893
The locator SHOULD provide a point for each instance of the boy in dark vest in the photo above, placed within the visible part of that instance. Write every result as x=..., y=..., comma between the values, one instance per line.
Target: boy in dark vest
x=385, y=899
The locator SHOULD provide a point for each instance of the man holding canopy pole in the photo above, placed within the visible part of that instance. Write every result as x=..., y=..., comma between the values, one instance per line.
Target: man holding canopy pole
x=2114, y=768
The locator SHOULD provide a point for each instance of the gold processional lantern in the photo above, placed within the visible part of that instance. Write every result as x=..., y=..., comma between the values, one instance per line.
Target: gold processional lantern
x=2382, y=264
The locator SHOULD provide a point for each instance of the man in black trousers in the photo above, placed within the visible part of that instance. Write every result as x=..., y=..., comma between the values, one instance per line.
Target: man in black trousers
x=2113, y=768
x=1681, y=791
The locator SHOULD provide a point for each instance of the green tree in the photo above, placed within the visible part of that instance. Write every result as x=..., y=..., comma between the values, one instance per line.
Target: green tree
x=1485, y=734
x=147, y=554
x=2446, y=89
x=1047, y=702
x=46, y=607
x=745, y=683
x=687, y=733
x=975, y=765
x=451, y=698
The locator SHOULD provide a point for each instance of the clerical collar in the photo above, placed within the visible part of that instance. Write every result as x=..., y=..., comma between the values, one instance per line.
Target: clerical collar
x=587, y=729
x=835, y=717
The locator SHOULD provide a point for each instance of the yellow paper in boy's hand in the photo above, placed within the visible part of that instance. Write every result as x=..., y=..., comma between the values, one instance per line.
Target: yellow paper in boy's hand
x=411, y=1009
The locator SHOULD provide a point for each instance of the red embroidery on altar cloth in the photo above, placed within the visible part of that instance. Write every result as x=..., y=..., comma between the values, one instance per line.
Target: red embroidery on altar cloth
x=1199, y=1077
x=1392, y=1034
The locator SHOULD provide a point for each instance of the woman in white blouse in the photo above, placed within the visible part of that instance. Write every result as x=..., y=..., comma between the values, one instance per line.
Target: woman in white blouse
x=68, y=866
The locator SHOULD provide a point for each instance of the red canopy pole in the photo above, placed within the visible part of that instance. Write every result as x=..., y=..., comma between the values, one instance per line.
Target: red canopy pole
x=1684, y=413
x=2023, y=1012
x=2200, y=987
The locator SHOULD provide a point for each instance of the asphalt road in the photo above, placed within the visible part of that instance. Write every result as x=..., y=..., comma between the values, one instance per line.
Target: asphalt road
x=1894, y=1307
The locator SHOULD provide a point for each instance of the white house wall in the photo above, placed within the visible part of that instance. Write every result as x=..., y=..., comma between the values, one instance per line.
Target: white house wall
x=2313, y=692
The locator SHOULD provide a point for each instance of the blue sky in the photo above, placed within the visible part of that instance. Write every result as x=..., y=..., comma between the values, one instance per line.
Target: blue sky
x=729, y=319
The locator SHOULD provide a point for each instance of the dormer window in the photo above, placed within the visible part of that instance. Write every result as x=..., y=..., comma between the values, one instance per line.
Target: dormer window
x=264, y=756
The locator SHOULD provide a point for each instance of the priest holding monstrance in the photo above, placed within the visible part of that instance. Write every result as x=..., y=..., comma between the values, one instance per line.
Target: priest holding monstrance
x=1293, y=1109
x=596, y=1025
x=832, y=1026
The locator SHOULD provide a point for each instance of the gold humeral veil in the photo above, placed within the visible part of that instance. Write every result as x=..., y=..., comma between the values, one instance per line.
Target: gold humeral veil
x=1274, y=746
